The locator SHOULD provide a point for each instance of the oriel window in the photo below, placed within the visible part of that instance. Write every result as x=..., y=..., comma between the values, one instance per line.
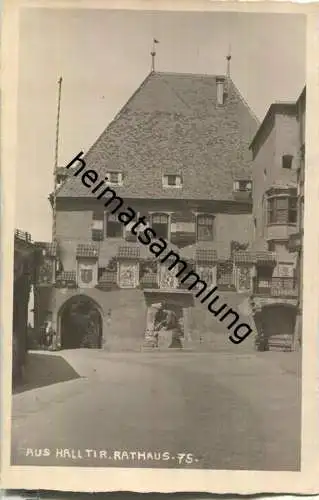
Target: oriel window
x=282, y=210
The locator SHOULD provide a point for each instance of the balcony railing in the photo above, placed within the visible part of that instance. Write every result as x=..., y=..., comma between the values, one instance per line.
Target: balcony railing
x=277, y=287
x=23, y=235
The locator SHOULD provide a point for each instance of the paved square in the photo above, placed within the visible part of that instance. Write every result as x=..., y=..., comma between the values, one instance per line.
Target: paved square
x=227, y=411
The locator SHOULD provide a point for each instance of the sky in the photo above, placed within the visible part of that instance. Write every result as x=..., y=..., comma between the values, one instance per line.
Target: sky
x=103, y=56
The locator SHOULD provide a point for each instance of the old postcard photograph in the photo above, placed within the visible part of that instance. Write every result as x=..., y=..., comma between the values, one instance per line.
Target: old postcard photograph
x=160, y=184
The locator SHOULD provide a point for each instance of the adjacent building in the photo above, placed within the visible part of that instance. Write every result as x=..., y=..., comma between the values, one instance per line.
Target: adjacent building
x=296, y=240
x=25, y=262
x=278, y=176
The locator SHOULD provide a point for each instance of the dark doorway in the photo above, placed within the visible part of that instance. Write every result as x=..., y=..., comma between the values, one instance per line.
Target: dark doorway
x=278, y=319
x=177, y=310
x=81, y=324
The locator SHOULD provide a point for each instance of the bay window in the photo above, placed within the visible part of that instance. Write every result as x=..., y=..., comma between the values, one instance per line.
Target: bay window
x=282, y=210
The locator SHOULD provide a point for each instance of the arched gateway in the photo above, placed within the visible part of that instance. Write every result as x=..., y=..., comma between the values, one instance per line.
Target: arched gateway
x=80, y=323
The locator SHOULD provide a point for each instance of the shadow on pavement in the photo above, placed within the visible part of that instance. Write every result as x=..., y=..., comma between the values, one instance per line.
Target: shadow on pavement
x=43, y=370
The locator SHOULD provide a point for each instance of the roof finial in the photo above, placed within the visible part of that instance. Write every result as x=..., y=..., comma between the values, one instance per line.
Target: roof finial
x=153, y=54
x=228, y=57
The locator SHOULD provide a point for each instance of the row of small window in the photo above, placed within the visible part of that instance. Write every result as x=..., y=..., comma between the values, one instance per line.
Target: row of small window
x=174, y=180
x=169, y=180
x=282, y=210
x=108, y=225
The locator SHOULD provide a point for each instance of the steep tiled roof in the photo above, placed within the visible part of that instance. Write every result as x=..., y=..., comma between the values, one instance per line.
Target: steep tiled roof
x=173, y=123
x=87, y=250
x=49, y=248
x=66, y=276
x=129, y=252
x=206, y=255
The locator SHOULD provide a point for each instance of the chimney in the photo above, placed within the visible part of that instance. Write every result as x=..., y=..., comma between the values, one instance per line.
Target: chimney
x=220, y=90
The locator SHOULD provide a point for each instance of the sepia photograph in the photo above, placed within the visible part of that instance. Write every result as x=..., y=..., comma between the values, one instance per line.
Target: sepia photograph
x=157, y=276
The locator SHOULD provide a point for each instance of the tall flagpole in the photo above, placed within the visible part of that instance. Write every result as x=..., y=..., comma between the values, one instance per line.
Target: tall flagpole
x=153, y=54
x=228, y=58
x=56, y=159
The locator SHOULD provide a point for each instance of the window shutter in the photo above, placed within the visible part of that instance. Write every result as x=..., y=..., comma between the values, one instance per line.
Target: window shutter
x=97, y=225
x=112, y=218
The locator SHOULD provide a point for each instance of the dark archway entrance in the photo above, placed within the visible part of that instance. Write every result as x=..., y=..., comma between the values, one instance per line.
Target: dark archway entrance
x=278, y=319
x=80, y=324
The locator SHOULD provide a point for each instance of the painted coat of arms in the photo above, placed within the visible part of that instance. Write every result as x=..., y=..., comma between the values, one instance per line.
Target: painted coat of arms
x=86, y=275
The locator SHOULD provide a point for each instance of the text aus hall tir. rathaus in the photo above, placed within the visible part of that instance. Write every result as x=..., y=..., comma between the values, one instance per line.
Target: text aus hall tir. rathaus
x=157, y=246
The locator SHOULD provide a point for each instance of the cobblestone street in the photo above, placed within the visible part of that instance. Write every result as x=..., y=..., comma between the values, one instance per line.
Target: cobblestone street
x=227, y=411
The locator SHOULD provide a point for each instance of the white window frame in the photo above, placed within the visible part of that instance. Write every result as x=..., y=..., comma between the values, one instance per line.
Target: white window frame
x=208, y=215
x=119, y=176
x=237, y=189
x=178, y=178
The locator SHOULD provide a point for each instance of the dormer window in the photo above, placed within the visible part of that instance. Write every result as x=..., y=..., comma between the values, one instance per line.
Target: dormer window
x=243, y=185
x=61, y=175
x=114, y=178
x=172, y=180
x=287, y=161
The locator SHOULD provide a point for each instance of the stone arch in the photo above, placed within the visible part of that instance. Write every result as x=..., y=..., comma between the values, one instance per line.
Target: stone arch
x=80, y=323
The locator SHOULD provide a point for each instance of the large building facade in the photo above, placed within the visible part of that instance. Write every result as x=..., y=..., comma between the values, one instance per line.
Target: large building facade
x=180, y=153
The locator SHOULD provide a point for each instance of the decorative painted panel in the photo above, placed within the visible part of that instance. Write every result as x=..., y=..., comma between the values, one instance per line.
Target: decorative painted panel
x=168, y=278
x=207, y=274
x=87, y=273
x=284, y=270
x=244, y=278
x=45, y=272
x=128, y=274
x=225, y=274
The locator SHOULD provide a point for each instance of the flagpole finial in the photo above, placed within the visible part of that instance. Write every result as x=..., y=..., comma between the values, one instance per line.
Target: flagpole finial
x=228, y=57
x=153, y=54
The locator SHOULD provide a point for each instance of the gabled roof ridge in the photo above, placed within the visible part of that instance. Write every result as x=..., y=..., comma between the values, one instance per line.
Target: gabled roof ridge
x=272, y=109
x=199, y=75
x=243, y=100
